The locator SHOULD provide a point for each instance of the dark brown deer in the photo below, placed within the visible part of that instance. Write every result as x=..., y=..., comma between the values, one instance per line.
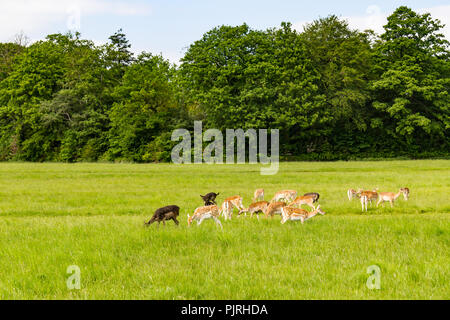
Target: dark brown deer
x=164, y=214
x=210, y=198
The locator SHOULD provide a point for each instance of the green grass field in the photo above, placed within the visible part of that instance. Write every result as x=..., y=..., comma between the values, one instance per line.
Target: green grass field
x=91, y=215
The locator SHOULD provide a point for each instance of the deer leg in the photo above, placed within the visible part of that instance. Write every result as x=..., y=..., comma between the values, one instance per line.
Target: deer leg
x=218, y=222
x=364, y=203
x=392, y=203
x=241, y=207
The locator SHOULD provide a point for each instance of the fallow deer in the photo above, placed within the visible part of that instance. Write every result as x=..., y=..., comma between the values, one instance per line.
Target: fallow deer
x=258, y=195
x=203, y=213
x=366, y=197
x=164, y=214
x=309, y=200
x=236, y=201
x=286, y=195
x=315, y=195
x=391, y=197
x=290, y=213
x=209, y=198
x=352, y=193
x=274, y=208
x=226, y=209
x=260, y=206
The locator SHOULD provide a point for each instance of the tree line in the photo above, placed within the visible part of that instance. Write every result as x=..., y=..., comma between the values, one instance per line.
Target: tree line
x=333, y=92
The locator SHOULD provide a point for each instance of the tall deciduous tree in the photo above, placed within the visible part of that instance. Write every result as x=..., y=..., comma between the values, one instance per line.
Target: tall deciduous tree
x=412, y=90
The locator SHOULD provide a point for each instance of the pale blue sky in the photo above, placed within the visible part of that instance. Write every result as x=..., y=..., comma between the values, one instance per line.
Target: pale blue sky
x=168, y=27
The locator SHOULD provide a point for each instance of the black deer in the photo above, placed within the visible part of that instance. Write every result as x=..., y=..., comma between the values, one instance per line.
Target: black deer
x=164, y=214
x=210, y=198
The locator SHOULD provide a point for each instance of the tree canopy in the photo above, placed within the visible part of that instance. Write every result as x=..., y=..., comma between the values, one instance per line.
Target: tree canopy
x=333, y=92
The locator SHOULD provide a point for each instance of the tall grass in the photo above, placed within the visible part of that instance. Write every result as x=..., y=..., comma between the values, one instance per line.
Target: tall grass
x=91, y=215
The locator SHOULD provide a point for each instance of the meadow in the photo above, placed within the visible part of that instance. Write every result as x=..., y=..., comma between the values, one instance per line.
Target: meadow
x=55, y=215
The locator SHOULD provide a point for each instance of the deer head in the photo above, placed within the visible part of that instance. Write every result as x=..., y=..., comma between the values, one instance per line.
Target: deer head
x=318, y=210
x=405, y=192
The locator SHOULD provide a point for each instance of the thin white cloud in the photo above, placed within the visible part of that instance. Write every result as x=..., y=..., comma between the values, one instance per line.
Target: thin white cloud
x=373, y=19
x=32, y=16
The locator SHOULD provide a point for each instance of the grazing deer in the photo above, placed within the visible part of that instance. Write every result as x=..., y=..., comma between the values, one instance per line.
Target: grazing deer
x=226, y=209
x=274, y=208
x=260, y=206
x=366, y=197
x=391, y=197
x=286, y=195
x=313, y=194
x=205, y=212
x=236, y=201
x=165, y=213
x=258, y=195
x=209, y=198
x=309, y=200
x=352, y=193
x=290, y=213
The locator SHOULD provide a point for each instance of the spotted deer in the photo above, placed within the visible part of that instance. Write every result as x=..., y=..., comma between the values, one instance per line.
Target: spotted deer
x=258, y=195
x=391, y=197
x=226, y=210
x=315, y=195
x=366, y=197
x=294, y=214
x=274, y=208
x=236, y=201
x=203, y=213
x=309, y=200
x=257, y=207
x=286, y=195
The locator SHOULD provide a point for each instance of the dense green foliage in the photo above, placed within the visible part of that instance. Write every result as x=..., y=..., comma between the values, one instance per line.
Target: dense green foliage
x=334, y=93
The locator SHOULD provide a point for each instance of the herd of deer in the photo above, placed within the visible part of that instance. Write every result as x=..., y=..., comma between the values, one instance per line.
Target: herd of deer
x=285, y=203
x=369, y=196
